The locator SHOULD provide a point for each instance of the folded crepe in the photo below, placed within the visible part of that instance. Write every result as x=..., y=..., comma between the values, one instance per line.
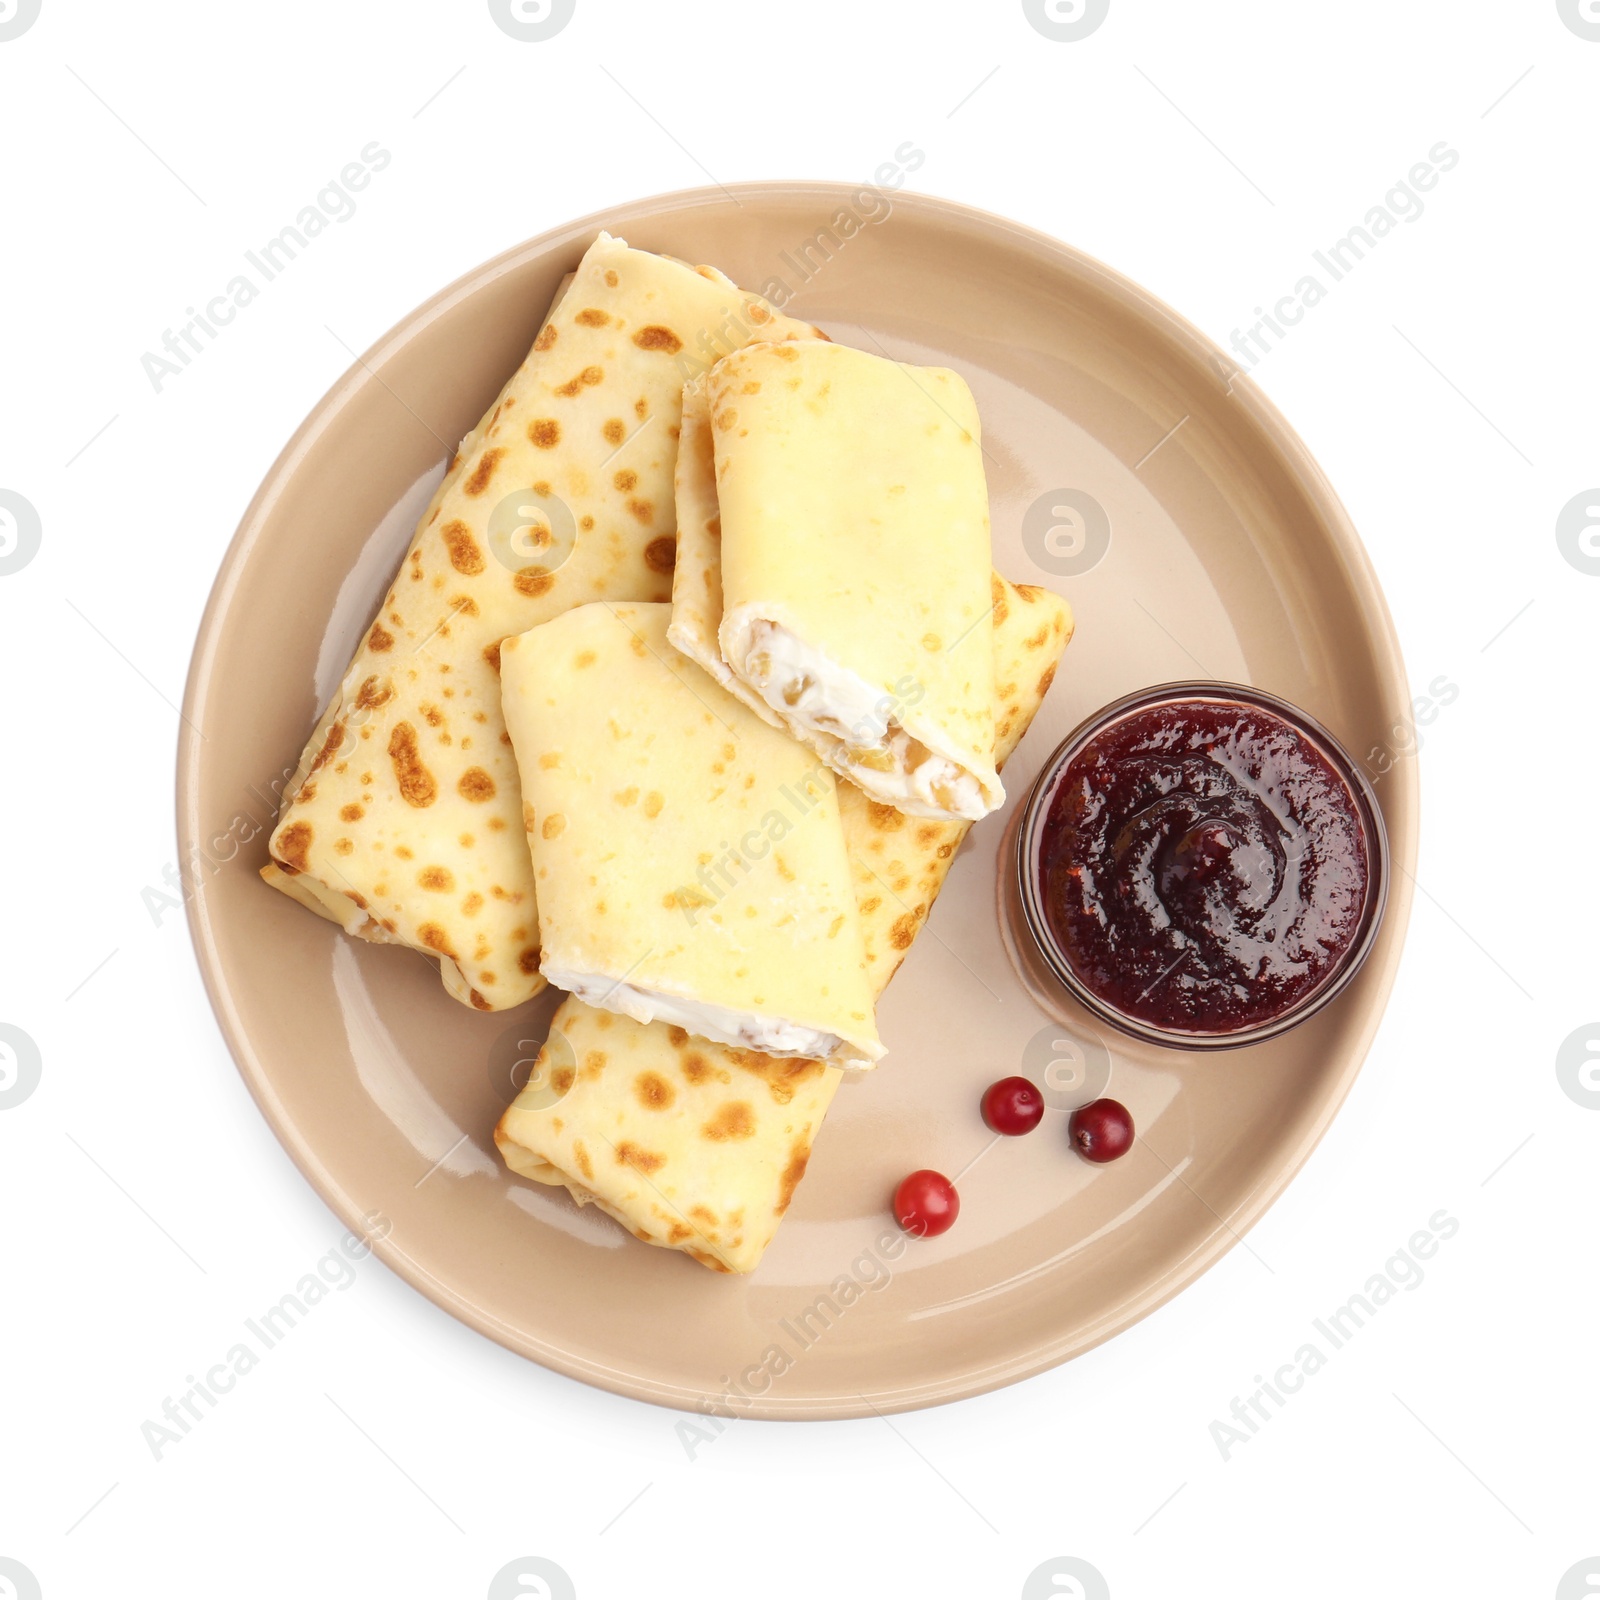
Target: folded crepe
x=839, y=577
x=403, y=824
x=698, y=1147
x=689, y=859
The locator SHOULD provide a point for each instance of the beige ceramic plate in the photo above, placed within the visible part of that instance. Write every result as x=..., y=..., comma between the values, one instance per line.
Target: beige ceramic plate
x=1229, y=557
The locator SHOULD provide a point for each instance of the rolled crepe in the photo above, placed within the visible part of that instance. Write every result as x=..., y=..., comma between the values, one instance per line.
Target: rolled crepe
x=698, y=1147
x=841, y=518
x=404, y=823
x=689, y=859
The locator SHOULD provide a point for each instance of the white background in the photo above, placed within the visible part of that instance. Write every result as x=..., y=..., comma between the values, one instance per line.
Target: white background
x=1447, y=388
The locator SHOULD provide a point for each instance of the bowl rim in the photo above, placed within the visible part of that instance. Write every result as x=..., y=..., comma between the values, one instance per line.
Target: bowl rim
x=1258, y=413
x=1024, y=879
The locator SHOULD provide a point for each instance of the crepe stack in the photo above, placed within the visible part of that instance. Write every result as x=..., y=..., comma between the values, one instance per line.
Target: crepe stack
x=404, y=822
x=689, y=859
x=696, y=1146
x=838, y=577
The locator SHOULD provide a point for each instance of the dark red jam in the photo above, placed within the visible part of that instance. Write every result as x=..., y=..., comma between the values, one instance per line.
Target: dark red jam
x=1203, y=866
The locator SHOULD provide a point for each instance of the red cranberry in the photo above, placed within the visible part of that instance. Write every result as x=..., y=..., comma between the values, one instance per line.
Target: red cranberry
x=1013, y=1106
x=1102, y=1130
x=926, y=1203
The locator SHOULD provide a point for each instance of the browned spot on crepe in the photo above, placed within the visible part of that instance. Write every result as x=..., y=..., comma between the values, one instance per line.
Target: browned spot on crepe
x=781, y=1074
x=547, y=337
x=733, y=1119
x=661, y=555
x=435, y=938
x=885, y=817
x=330, y=747
x=697, y=1068
x=439, y=879
x=465, y=556
x=483, y=472
x=799, y=1156
x=654, y=337
x=654, y=1092
x=476, y=785
x=630, y=1155
x=380, y=638
x=417, y=786
x=545, y=432
x=534, y=581
x=373, y=693
x=592, y=317
x=293, y=847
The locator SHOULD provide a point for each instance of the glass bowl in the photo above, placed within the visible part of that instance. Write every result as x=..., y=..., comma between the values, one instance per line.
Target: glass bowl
x=1027, y=887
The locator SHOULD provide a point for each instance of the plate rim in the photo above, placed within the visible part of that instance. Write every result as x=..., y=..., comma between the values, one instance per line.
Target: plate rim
x=1272, y=429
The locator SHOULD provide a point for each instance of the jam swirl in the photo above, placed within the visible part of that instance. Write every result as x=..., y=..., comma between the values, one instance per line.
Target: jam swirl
x=1203, y=866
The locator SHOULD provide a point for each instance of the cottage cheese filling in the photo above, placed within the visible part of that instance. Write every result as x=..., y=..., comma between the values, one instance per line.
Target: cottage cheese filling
x=852, y=720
